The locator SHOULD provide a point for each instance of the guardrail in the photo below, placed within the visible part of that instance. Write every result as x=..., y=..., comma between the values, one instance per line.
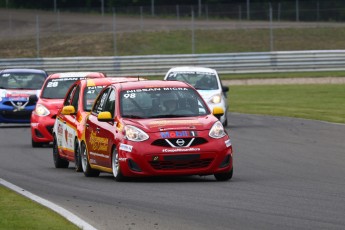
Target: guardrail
x=224, y=63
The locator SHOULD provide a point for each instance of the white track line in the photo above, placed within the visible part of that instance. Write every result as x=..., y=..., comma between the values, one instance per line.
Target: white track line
x=63, y=212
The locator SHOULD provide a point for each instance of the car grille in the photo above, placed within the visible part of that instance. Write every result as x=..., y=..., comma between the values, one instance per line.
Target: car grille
x=177, y=162
x=8, y=103
x=165, y=143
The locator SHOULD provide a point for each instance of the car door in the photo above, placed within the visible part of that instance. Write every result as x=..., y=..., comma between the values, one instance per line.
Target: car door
x=67, y=123
x=96, y=141
x=106, y=130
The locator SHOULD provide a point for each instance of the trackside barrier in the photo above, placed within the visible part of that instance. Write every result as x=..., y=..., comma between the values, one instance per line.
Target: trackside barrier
x=155, y=65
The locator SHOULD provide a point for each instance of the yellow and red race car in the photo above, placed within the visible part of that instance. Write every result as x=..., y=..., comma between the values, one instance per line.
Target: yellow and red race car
x=50, y=101
x=155, y=128
x=70, y=119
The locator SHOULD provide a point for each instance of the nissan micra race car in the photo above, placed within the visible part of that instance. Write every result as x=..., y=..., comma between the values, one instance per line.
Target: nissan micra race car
x=70, y=120
x=131, y=131
x=50, y=101
x=16, y=87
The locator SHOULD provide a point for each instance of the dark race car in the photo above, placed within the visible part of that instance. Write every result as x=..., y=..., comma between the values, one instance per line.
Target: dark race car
x=16, y=86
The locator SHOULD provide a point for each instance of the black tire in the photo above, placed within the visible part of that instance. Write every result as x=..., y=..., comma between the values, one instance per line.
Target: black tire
x=77, y=157
x=88, y=171
x=224, y=176
x=116, y=166
x=58, y=161
x=35, y=144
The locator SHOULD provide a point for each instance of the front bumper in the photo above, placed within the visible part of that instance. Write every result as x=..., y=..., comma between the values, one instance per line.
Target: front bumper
x=42, y=128
x=8, y=114
x=157, y=161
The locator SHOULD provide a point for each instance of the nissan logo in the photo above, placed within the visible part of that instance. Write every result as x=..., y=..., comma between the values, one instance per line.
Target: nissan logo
x=180, y=142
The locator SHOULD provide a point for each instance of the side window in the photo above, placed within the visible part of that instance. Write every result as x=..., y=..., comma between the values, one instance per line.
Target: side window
x=99, y=103
x=75, y=98
x=110, y=103
x=69, y=95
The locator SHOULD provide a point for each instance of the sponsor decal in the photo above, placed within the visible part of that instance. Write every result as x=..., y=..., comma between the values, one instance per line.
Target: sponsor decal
x=98, y=143
x=155, y=89
x=228, y=143
x=74, y=74
x=125, y=147
x=59, y=129
x=99, y=155
x=178, y=134
x=122, y=159
x=180, y=150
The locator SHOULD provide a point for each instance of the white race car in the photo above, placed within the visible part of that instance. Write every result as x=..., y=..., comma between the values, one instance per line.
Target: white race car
x=208, y=84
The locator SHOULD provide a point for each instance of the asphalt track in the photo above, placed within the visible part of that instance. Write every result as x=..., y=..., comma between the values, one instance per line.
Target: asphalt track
x=288, y=174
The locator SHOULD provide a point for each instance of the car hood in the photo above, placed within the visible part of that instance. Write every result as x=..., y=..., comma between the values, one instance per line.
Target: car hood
x=51, y=103
x=17, y=93
x=207, y=94
x=166, y=124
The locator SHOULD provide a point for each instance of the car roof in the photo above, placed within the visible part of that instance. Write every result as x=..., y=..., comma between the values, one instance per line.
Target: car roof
x=106, y=81
x=151, y=84
x=192, y=69
x=77, y=75
x=23, y=70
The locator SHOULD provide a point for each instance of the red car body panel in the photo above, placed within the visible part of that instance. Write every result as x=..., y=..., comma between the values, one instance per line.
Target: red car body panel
x=41, y=126
x=154, y=157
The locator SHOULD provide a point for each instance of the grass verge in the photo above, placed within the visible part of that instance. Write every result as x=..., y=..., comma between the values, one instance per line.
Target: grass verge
x=18, y=212
x=318, y=102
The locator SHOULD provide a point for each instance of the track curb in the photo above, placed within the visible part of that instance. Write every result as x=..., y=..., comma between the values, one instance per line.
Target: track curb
x=56, y=208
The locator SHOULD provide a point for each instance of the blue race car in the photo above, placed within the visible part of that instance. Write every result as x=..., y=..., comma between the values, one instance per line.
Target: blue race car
x=16, y=86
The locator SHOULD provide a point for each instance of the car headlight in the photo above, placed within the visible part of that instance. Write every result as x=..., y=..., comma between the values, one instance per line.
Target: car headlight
x=41, y=110
x=216, y=99
x=135, y=134
x=217, y=130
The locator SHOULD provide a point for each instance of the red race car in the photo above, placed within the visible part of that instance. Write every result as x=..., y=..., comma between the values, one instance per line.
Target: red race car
x=155, y=128
x=69, y=122
x=49, y=101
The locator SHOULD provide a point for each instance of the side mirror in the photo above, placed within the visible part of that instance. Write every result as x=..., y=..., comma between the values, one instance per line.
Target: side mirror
x=225, y=88
x=68, y=110
x=218, y=112
x=105, y=116
x=33, y=99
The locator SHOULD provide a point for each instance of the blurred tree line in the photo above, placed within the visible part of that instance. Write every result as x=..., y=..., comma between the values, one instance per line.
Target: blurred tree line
x=48, y=4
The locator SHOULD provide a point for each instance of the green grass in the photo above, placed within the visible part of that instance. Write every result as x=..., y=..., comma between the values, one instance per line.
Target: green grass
x=174, y=42
x=318, y=102
x=283, y=75
x=18, y=212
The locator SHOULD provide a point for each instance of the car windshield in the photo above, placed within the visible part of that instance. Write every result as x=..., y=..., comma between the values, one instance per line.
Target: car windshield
x=90, y=94
x=21, y=80
x=161, y=102
x=199, y=80
x=57, y=88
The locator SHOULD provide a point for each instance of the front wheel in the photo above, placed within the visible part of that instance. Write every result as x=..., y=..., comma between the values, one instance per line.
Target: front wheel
x=58, y=161
x=224, y=176
x=88, y=171
x=116, y=166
